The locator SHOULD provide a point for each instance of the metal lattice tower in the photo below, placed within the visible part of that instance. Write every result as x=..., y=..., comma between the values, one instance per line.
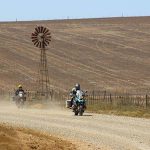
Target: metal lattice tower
x=41, y=38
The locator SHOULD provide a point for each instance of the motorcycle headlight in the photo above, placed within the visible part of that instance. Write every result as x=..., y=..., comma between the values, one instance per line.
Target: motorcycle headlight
x=20, y=95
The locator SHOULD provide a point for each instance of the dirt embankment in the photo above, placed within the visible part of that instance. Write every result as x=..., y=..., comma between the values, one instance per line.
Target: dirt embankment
x=25, y=139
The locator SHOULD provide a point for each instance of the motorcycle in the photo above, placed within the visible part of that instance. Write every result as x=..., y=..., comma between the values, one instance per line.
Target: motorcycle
x=79, y=106
x=20, y=99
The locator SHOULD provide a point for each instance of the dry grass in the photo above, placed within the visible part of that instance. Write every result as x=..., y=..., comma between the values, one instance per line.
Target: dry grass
x=98, y=53
x=131, y=111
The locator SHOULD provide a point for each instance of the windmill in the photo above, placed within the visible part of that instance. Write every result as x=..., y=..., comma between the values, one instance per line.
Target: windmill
x=41, y=38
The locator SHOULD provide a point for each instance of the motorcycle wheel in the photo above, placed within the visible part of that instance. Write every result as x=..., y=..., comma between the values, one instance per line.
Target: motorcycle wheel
x=21, y=104
x=76, y=113
x=17, y=103
x=81, y=111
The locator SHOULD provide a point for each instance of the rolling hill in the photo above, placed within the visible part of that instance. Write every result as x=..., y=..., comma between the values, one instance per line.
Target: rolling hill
x=108, y=53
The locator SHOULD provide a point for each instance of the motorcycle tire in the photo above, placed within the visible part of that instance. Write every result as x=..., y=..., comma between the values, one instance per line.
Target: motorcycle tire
x=81, y=110
x=76, y=113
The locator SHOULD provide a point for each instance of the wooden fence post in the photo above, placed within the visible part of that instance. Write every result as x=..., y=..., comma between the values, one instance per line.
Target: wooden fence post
x=104, y=95
x=93, y=95
x=146, y=101
x=110, y=99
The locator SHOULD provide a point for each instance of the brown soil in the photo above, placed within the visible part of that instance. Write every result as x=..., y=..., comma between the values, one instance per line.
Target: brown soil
x=99, y=53
x=25, y=139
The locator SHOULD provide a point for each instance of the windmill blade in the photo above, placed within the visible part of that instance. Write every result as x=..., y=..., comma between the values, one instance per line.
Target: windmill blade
x=46, y=31
x=42, y=28
x=39, y=29
x=33, y=37
x=33, y=40
x=34, y=34
x=36, y=30
x=37, y=45
x=47, y=34
x=48, y=37
x=47, y=41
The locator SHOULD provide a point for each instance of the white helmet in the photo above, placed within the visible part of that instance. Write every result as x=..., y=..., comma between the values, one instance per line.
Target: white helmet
x=77, y=86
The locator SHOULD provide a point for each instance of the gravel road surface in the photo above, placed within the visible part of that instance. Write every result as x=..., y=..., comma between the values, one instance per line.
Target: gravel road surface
x=102, y=132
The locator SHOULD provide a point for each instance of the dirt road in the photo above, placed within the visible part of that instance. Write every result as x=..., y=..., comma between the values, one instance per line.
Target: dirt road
x=102, y=131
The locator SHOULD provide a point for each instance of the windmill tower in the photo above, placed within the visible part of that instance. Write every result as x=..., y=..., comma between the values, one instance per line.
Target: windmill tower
x=41, y=39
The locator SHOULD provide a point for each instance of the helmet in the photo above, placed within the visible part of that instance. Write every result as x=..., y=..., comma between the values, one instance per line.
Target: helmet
x=19, y=86
x=77, y=86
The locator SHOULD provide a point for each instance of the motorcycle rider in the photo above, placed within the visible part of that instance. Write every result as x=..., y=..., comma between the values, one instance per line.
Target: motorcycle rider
x=20, y=97
x=79, y=93
x=78, y=90
x=73, y=95
x=20, y=89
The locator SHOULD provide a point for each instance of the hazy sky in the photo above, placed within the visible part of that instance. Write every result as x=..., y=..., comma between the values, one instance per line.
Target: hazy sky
x=59, y=9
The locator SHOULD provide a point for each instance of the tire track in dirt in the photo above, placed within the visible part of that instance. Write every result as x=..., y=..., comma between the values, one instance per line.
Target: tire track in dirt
x=103, y=131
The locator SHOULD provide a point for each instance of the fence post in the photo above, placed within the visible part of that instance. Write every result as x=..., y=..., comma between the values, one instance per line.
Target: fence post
x=104, y=95
x=146, y=101
x=110, y=99
x=93, y=95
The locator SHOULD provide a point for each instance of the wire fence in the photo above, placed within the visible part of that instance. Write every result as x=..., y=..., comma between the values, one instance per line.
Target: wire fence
x=104, y=97
x=122, y=99
x=95, y=98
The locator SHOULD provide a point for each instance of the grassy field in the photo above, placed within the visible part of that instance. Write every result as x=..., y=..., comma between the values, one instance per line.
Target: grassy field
x=131, y=111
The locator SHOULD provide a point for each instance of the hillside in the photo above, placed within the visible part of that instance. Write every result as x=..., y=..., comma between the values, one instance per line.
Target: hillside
x=111, y=53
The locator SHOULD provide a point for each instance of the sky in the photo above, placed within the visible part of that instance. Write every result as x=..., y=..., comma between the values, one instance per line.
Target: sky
x=22, y=10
